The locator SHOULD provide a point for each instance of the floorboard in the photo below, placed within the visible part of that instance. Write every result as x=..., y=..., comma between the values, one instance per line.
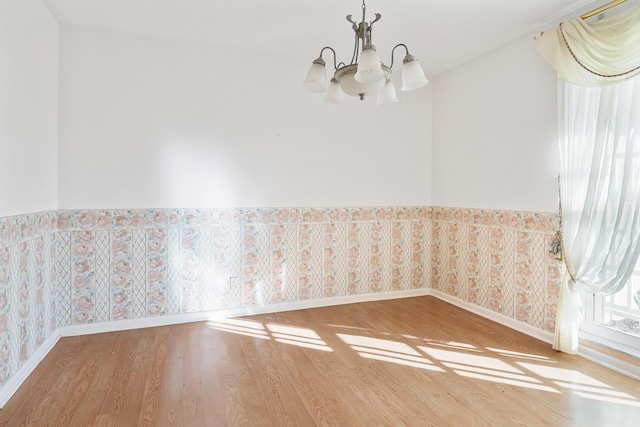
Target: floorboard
x=405, y=362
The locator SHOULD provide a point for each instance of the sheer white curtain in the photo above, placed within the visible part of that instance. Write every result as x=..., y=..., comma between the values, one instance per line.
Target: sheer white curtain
x=599, y=116
x=600, y=188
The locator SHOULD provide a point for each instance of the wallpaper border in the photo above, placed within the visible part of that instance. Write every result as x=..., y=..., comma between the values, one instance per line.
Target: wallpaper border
x=113, y=219
x=21, y=228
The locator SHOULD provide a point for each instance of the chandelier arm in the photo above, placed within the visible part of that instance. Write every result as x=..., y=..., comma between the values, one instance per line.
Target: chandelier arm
x=394, y=49
x=370, y=28
x=335, y=60
x=354, y=57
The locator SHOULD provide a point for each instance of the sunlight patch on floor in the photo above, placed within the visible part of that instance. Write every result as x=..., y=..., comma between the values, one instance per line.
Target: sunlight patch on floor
x=455, y=346
x=379, y=344
x=523, y=370
x=581, y=384
x=494, y=373
x=609, y=399
x=388, y=351
x=292, y=335
x=301, y=337
x=564, y=375
x=410, y=337
x=424, y=364
x=358, y=328
x=240, y=327
x=293, y=331
x=483, y=367
x=604, y=391
x=505, y=381
x=518, y=355
x=469, y=359
x=304, y=344
x=603, y=394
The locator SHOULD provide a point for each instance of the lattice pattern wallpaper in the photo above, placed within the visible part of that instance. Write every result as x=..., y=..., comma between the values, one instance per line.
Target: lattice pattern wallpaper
x=498, y=260
x=132, y=264
x=27, y=288
x=77, y=267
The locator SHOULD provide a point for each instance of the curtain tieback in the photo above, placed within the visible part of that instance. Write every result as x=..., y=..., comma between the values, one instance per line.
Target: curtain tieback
x=566, y=265
x=560, y=233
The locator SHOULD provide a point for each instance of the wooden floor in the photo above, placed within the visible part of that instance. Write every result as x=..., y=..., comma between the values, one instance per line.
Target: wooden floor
x=405, y=362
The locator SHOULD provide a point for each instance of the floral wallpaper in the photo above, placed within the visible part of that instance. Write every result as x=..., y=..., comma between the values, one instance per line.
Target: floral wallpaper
x=27, y=288
x=131, y=264
x=75, y=267
x=498, y=260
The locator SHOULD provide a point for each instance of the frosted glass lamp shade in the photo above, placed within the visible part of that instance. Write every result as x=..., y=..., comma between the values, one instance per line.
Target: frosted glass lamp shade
x=369, y=66
x=388, y=94
x=412, y=74
x=352, y=87
x=316, y=80
x=335, y=95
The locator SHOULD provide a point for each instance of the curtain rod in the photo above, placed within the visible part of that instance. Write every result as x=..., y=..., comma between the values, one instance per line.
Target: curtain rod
x=602, y=8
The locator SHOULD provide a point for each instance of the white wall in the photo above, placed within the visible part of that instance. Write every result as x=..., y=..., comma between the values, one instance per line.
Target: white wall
x=28, y=107
x=147, y=123
x=495, y=132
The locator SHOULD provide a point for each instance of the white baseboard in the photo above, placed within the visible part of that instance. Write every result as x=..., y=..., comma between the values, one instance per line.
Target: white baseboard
x=588, y=353
x=525, y=328
x=65, y=331
x=610, y=362
x=95, y=328
x=23, y=373
x=148, y=322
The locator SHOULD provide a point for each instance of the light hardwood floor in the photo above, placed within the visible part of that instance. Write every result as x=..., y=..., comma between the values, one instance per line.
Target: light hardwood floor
x=405, y=362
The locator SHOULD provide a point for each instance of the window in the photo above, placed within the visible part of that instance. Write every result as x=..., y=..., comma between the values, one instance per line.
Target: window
x=614, y=320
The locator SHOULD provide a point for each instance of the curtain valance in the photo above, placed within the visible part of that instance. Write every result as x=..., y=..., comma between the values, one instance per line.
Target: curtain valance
x=597, y=53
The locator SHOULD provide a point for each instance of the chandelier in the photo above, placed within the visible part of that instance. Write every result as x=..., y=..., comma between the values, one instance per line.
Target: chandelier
x=365, y=75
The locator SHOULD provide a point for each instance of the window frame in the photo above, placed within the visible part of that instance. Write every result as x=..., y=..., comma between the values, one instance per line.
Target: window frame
x=593, y=331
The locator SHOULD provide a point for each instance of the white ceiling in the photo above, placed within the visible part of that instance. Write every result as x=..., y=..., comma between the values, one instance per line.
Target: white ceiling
x=440, y=33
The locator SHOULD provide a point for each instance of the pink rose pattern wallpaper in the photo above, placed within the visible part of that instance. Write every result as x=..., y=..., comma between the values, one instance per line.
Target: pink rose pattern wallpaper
x=78, y=267
x=27, y=288
x=142, y=263
x=498, y=260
